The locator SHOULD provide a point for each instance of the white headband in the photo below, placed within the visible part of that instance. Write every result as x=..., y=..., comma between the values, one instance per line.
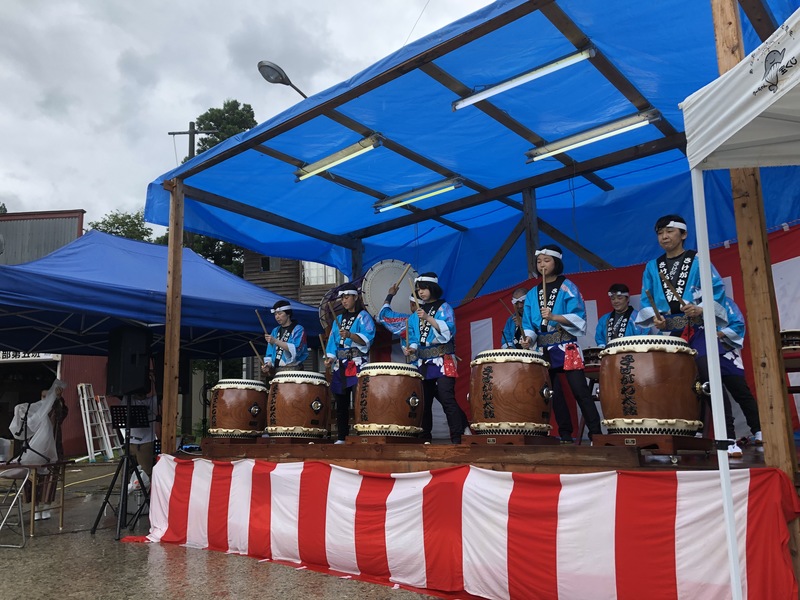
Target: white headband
x=348, y=293
x=413, y=299
x=281, y=309
x=548, y=252
x=518, y=300
x=430, y=279
x=612, y=294
x=676, y=225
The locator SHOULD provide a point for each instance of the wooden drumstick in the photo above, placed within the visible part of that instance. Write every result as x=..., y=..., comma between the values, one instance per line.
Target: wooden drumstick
x=264, y=327
x=258, y=356
x=544, y=299
x=413, y=292
x=653, y=303
x=672, y=289
x=399, y=281
x=506, y=307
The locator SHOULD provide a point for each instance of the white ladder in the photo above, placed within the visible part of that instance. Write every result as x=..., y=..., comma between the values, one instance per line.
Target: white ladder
x=96, y=423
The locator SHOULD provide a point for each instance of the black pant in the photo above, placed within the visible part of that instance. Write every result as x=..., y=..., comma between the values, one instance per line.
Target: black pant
x=444, y=389
x=738, y=388
x=343, y=412
x=583, y=395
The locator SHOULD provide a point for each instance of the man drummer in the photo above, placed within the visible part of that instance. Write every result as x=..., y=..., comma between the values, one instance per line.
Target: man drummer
x=512, y=331
x=347, y=351
x=286, y=344
x=620, y=322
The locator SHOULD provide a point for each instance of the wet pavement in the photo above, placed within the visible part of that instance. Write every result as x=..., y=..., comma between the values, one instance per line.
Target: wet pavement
x=76, y=564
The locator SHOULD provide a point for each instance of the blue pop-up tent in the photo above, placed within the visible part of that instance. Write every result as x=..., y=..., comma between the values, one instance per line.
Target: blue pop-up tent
x=68, y=301
x=598, y=201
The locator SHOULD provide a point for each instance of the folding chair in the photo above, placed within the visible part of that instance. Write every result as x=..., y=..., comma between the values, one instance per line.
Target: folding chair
x=17, y=477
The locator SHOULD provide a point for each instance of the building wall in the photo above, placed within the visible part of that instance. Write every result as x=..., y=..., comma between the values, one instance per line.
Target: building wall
x=27, y=236
x=75, y=370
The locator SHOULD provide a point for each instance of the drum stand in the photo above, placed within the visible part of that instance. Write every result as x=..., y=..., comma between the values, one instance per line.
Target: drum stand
x=510, y=440
x=659, y=444
x=125, y=417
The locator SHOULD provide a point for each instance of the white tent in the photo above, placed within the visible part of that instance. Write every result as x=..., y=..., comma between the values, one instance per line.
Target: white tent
x=748, y=117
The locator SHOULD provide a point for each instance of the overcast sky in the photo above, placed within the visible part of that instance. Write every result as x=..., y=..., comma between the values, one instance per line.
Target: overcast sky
x=89, y=89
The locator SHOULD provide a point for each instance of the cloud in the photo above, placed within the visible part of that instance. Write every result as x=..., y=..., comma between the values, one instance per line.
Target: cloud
x=91, y=89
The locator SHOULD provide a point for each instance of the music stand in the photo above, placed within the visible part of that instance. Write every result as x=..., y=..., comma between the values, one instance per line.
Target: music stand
x=125, y=417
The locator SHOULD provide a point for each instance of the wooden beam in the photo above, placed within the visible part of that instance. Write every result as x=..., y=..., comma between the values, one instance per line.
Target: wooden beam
x=675, y=142
x=760, y=16
x=267, y=217
x=531, y=221
x=759, y=291
x=574, y=246
x=496, y=260
x=485, y=28
x=172, y=334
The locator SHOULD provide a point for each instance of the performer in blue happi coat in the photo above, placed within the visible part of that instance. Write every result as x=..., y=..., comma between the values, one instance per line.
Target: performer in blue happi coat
x=512, y=332
x=347, y=351
x=621, y=321
x=286, y=345
x=431, y=346
x=731, y=341
x=552, y=323
x=395, y=322
x=677, y=269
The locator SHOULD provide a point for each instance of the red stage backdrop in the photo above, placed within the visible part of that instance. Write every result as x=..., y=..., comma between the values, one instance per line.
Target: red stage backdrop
x=480, y=322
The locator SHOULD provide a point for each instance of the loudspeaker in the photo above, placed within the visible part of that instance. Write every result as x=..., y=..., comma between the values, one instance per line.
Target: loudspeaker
x=128, y=361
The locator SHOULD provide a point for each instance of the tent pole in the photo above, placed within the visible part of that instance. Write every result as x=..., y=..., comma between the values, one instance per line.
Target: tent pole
x=759, y=291
x=715, y=379
x=169, y=406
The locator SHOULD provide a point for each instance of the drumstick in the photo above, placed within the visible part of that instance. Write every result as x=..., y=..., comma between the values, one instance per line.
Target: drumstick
x=258, y=356
x=506, y=307
x=399, y=281
x=262, y=323
x=653, y=303
x=333, y=314
x=413, y=292
x=544, y=299
x=672, y=289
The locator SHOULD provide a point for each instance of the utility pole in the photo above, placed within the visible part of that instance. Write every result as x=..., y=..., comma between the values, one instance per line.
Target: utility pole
x=192, y=133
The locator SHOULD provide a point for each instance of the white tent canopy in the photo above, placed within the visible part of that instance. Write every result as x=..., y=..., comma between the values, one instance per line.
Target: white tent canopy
x=750, y=116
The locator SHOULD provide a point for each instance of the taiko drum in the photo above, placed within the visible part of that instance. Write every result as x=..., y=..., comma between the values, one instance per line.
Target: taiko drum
x=389, y=400
x=648, y=386
x=510, y=393
x=238, y=408
x=298, y=405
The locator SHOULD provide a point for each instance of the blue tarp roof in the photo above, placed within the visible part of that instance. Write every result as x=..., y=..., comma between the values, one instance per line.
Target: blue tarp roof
x=68, y=301
x=605, y=196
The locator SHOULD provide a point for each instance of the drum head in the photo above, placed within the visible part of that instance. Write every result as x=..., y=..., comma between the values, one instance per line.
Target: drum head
x=377, y=281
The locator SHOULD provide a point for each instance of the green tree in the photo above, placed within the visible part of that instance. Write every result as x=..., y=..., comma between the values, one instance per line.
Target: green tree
x=127, y=225
x=233, y=118
x=3, y=209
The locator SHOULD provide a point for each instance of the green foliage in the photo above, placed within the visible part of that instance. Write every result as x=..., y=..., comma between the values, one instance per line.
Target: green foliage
x=3, y=209
x=127, y=225
x=233, y=118
x=222, y=254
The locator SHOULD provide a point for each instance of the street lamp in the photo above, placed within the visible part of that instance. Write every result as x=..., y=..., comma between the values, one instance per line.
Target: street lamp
x=274, y=74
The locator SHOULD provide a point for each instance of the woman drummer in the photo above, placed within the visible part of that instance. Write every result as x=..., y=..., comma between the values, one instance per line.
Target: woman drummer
x=431, y=346
x=286, y=345
x=347, y=351
x=553, y=317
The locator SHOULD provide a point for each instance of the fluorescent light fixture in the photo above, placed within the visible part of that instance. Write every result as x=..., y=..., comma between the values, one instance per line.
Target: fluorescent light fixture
x=416, y=195
x=594, y=135
x=339, y=157
x=545, y=69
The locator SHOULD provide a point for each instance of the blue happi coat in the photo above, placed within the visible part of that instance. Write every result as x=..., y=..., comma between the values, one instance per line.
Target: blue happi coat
x=342, y=377
x=295, y=354
x=631, y=328
x=568, y=303
x=433, y=368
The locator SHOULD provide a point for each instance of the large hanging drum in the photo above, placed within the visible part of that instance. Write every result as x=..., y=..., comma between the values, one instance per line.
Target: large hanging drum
x=298, y=405
x=389, y=400
x=647, y=386
x=509, y=393
x=238, y=408
x=377, y=281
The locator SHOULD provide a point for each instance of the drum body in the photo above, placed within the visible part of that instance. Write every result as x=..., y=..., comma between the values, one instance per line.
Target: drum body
x=298, y=405
x=647, y=386
x=790, y=340
x=509, y=393
x=591, y=358
x=238, y=408
x=389, y=400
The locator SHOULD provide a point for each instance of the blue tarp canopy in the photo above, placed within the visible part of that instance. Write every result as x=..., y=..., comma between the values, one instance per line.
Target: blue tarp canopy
x=599, y=201
x=68, y=301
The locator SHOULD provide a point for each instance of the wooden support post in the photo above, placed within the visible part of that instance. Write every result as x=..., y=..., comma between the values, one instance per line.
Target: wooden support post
x=357, y=260
x=531, y=220
x=759, y=291
x=172, y=336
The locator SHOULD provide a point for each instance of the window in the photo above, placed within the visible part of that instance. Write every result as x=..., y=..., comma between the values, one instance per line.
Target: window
x=270, y=263
x=319, y=274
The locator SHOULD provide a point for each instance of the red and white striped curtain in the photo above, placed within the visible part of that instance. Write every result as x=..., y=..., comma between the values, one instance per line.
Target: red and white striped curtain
x=492, y=534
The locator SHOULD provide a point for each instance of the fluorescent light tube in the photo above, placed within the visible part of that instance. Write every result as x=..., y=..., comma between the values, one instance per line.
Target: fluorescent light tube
x=416, y=195
x=339, y=157
x=546, y=69
x=594, y=135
